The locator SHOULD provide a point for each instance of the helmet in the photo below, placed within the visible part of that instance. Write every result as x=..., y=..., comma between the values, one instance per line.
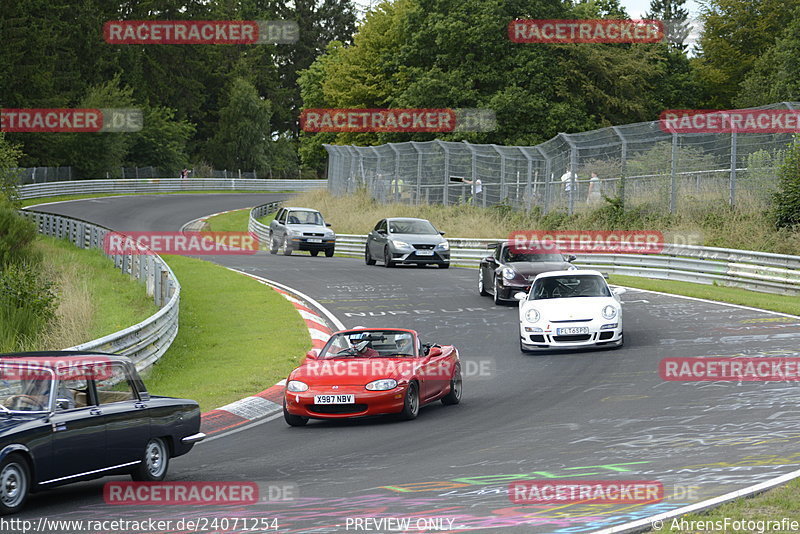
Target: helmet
x=361, y=346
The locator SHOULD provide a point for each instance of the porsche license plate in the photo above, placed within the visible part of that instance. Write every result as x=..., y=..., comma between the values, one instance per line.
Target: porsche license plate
x=424, y=253
x=571, y=331
x=314, y=240
x=334, y=399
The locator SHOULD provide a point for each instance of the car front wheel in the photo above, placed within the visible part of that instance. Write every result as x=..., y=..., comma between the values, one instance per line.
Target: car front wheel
x=411, y=405
x=497, y=299
x=15, y=481
x=481, y=284
x=287, y=248
x=293, y=420
x=387, y=258
x=329, y=252
x=153, y=466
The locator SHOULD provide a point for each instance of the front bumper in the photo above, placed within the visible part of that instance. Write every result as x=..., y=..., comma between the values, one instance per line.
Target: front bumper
x=413, y=257
x=302, y=243
x=506, y=292
x=366, y=402
x=549, y=339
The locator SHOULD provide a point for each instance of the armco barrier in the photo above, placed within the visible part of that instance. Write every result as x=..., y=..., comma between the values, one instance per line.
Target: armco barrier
x=147, y=341
x=757, y=271
x=164, y=185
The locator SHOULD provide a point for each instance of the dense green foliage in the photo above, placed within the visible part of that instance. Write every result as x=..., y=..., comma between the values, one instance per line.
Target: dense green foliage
x=787, y=198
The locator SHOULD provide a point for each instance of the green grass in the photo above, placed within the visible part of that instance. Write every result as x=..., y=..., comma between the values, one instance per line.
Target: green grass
x=95, y=299
x=236, y=337
x=770, y=506
x=234, y=221
x=732, y=295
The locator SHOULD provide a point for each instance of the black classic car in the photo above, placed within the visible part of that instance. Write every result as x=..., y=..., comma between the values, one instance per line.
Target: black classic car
x=507, y=271
x=68, y=416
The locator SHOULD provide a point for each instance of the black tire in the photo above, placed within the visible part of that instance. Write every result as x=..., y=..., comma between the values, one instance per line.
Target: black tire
x=287, y=249
x=155, y=462
x=293, y=420
x=481, y=285
x=368, y=259
x=329, y=252
x=273, y=244
x=444, y=265
x=454, y=397
x=496, y=296
x=411, y=406
x=15, y=484
x=387, y=261
x=313, y=252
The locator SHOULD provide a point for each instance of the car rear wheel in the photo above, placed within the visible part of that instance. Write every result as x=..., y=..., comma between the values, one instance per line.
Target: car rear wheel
x=444, y=265
x=411, y=405
x=387, y=258
x=368, y=259
x=155, y=462
x=454, y=397
x=293, y=420
x=314, y=252
x=15, y=482
x=329, y=252
x=481, y=284
x=273, y=244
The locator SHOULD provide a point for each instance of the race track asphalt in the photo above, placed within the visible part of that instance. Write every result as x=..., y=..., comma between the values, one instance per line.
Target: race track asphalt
x=593, y=415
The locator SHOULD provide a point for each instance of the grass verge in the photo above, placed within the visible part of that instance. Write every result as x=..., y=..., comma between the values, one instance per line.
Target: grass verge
x=237, y=337
x=233, y=221
x=732, y=295
x=94, y=298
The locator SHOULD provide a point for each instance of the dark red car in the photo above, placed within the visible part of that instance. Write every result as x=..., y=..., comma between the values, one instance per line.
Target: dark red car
x=372, y=371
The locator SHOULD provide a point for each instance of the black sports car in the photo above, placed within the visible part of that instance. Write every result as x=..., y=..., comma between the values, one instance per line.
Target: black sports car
x=506, y=271
x=68, y=416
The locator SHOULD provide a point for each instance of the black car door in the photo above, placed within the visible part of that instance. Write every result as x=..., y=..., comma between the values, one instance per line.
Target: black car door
x=78, y=434
x=126, y=416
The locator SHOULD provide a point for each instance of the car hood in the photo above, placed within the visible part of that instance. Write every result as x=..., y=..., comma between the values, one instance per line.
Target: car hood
x=354, y=371
x=530, y=269
x=421, y=239
x=312, y=228
x=570, y=309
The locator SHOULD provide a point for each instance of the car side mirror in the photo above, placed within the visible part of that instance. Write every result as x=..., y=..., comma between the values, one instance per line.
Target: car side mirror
x=441, y=233
x=434, y=351
x=62, y=404
x=311, y=355
x=381, y=232
x=328, y=224
x=571, y=258
x=520, y=295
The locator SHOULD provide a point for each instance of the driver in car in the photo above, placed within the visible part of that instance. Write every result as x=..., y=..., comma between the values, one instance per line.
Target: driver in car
x=362, y=345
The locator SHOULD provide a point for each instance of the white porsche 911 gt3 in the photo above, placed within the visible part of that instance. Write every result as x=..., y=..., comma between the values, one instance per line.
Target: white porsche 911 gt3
x=570, y=310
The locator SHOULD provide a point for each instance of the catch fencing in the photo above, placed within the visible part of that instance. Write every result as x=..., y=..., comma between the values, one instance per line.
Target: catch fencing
x=35, y=175
x=639, y=163
x=147, y=341
x=164, y=185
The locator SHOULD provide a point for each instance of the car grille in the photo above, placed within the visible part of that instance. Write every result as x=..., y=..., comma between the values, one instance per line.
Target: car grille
x=576, y=337
x=606, y=335
x=572, y=321
x=310, y=234
x=537, y=338
x=424, y=247
x=337, y=408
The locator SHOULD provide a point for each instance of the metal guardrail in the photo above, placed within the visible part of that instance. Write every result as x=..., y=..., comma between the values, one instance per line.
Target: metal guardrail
x=261, y=230
x=147, y=341
x=165, y=185
x=758, y=271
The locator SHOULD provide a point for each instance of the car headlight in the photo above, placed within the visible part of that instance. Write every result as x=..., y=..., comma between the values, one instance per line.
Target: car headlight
x=296, y=386
x=382, y=385
x=400, y=244
x=572, y=268
x=532, y=315
x=292, y=233
x=329, y=234
x=444, y=245
x=609, y=311
x=509, y=273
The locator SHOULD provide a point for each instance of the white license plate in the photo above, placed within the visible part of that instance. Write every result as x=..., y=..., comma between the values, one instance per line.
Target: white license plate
x=314, y=240
x=334, y=399
x=424, y=253
x=572, y=330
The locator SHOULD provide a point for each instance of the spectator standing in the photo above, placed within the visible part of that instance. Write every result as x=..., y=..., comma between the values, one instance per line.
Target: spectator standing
x=594, y=195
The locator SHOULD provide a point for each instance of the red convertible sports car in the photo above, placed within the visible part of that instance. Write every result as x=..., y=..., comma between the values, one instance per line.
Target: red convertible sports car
x=371, y=371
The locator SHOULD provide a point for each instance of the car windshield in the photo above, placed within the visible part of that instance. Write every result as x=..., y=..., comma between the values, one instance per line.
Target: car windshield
x=554, y=287
x=508, y=256
x=24, y=388
x=412, y=227
x=304, y=217
x=369, y=344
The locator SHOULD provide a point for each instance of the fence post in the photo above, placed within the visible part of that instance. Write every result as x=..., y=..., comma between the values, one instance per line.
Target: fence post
x=573, y=164
x=673, y=194
x=446, y=186
x=529, y=187
x=503, y=194
x=418, y=194
x=396, y=172
x=548, y=169
x=732, y=198
x=623, y=164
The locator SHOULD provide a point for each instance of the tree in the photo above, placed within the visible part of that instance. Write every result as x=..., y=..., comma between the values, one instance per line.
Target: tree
x=9, y=157
x=243, y=131
x=162, y=142
x=787, y=197
x=675, y=18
